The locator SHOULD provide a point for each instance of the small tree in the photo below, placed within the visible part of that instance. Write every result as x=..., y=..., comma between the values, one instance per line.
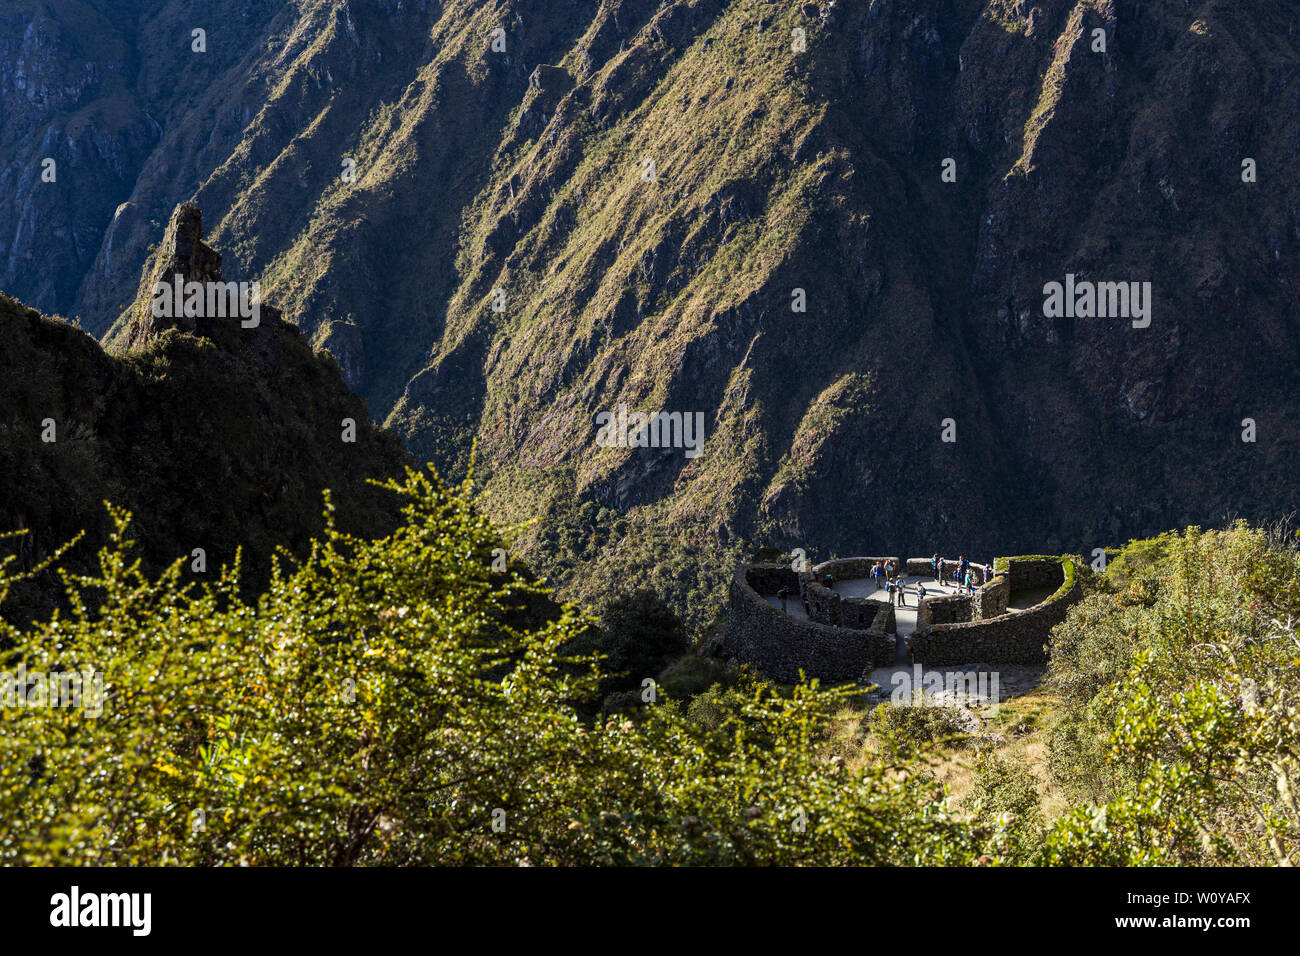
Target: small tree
x=640, y=636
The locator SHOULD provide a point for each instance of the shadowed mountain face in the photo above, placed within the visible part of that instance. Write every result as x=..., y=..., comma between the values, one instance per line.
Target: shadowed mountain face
x=215, y=436
x=506, y=218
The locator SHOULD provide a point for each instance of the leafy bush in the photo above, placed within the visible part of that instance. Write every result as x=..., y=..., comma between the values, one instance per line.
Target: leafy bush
x=692, y=674
x=1182, y=712
x=904, y=731
x=392, y=701
x=1091, y=650
x=640, y=636
x=398, y=701
x=714, y=707
x=1005, y=799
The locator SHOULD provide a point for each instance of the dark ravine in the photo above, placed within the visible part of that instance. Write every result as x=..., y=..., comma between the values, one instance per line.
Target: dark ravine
x=775, y=170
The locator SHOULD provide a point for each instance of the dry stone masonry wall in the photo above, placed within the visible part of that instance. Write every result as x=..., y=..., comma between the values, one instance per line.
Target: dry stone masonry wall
x=846, y=636
x=781, y=646
x=1005, y=636
x=992, y=599
x=946, y=609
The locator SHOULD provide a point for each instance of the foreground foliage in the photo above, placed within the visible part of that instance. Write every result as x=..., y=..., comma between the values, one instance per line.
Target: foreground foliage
x=398, y=701
x=1181, y=729
x=415, y=700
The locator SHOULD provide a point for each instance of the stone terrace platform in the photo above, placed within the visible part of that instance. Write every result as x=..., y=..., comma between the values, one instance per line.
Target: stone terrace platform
x=844, y=631
x=904, y=612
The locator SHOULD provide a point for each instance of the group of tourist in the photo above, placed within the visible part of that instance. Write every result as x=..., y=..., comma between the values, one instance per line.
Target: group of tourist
x=967, y=577
x=886, y=576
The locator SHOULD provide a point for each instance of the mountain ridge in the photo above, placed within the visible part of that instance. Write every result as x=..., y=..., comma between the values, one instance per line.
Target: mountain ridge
x=776, y=169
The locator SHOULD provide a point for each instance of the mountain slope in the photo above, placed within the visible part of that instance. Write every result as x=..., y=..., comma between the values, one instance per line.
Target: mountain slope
x=220, y=441
x=776, y=168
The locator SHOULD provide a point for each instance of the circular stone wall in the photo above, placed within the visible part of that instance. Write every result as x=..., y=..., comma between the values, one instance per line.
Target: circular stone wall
x=780, y=646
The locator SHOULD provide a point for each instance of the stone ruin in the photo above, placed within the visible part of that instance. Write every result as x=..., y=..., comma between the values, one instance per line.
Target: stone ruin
x=844, y=637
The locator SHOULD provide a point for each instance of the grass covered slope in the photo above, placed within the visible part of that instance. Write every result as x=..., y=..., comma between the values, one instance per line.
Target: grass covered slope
x=776, y=169
x=793, y=147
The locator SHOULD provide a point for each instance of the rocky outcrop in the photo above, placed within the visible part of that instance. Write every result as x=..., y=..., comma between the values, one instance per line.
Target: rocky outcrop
x=184, y=257
x=219, y=439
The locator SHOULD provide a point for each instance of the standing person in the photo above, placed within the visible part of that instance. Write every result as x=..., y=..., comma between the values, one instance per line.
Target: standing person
x=934, y=566
x=878, y=574
x=784, y=595
x=920, y=593
x=890, y=587
x=902, y=593
x=942, y=572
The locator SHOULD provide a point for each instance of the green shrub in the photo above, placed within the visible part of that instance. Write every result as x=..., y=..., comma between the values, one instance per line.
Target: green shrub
x=387, y=702
x=1005, y=798
x=713, y=707
x=906, y=730
x=693, y=674
x=639, y=636
x=1180, y=709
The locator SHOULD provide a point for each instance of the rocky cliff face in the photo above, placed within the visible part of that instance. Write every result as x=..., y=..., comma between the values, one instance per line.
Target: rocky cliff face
x=506, y=218
x=73, y=137
x=216, y=437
